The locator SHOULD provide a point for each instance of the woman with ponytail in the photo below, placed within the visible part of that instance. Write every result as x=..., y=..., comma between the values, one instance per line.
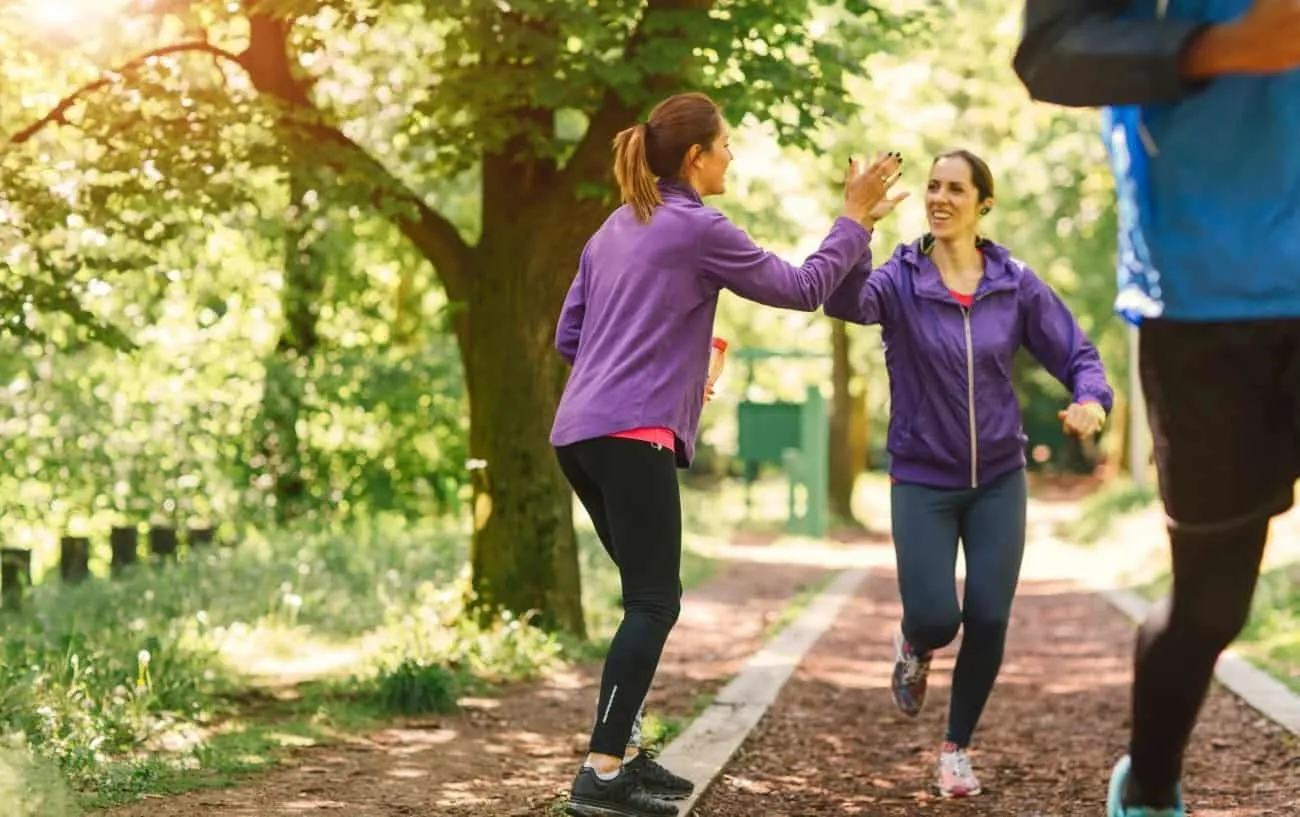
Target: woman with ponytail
x=636, y=327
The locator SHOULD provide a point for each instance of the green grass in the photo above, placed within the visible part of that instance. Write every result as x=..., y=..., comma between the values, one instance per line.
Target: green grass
x=189, y=676
x=30, y=787
x=1271, y=639
x=255, y=737
x=1101, y=510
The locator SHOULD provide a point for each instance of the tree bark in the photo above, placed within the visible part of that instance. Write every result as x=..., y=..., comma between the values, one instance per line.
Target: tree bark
x=859, y=427
x=524, y=552
x=843, y=465
x=289, y=366
x=270, y=66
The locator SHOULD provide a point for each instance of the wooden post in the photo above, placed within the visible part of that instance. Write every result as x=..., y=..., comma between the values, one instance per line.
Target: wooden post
x=15, y=576
x=74, y=559
x=201, y=537
x=125, y=541
x=162, y=542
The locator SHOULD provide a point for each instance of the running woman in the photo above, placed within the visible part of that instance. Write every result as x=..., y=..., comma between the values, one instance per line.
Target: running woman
x=954, y=309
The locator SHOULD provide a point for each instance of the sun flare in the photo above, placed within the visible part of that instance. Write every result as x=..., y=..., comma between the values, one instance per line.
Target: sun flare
x=63, y=15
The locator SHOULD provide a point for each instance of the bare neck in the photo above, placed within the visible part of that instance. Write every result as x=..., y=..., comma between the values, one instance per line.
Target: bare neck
x=960, y=263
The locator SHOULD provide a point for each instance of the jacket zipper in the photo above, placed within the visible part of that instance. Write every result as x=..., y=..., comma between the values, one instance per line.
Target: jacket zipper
x=970, y=398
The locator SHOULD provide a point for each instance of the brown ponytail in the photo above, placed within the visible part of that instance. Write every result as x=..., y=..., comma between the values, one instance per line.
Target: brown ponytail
x=657, y=148
x=636, y=182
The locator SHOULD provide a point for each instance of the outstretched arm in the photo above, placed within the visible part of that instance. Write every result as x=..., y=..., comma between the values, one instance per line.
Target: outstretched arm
x=732, y=261
x=863, y=297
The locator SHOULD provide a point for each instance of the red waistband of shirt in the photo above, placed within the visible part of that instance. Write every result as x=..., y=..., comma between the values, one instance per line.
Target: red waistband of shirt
x=656, y=436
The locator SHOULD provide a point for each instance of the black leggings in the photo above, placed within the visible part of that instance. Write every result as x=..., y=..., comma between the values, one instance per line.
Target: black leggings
x=1224, y=404
x=1178, y=646
x=629, y=489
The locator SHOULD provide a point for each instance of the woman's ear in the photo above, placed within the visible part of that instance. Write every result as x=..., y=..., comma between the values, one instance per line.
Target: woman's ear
x=688, y=161
x=986, y=207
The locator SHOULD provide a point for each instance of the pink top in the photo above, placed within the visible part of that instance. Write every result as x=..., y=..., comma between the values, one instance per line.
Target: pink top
x=656, y=436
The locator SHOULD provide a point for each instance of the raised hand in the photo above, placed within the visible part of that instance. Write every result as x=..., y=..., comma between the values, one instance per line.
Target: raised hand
x=866, y=186
x=884, y=208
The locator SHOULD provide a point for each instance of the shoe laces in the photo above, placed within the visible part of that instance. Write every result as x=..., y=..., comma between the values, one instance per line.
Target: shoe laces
x=914, y=666
x=653, y=771
x=957, y=763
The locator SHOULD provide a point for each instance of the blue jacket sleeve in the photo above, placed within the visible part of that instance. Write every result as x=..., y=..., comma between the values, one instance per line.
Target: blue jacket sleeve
x=1054, y=338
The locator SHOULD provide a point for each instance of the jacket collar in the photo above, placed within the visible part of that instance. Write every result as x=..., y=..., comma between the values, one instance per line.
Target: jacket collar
x=674, y=188
x=999, y=273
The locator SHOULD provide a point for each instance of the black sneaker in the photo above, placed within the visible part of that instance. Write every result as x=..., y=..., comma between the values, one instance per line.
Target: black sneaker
x=657, y=781
x=620, y=797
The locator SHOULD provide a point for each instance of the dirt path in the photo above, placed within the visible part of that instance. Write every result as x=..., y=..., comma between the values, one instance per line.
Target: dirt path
x=834, y=744
x=511, y=754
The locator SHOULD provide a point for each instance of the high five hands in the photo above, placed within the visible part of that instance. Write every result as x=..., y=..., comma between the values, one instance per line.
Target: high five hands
x=866, y=189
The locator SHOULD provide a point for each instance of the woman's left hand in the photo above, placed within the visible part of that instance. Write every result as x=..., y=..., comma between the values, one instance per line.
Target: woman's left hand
x=1083, y=419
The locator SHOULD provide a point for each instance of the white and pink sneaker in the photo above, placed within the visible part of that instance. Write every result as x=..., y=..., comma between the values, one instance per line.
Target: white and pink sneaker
x=956, y=778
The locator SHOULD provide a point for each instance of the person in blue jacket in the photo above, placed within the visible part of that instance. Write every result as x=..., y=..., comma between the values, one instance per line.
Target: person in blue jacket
x=954, y=309
x=1201, y=108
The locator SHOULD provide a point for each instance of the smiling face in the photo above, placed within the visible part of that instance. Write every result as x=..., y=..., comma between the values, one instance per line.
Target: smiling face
x=706, y=169
x=953, y=199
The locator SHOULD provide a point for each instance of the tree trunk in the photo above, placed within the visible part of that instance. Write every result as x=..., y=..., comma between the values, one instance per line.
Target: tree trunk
x=271, y=69
x=524, y=552
x=860, y=428
x=843, y=464
x=290, y=364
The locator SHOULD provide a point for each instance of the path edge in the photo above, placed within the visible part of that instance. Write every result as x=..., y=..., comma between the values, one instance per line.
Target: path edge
x=1261, y=691
x=706, y=746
